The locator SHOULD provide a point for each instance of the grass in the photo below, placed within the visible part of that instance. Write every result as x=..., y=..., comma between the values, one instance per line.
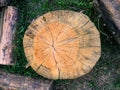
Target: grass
x=104, y=76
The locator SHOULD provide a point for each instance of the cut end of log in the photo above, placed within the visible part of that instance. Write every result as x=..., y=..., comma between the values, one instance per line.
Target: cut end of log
x=62, y=45
x=8, y=26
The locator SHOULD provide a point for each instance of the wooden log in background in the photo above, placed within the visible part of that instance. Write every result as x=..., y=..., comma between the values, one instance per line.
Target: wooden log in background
x=110, y=10
x=4, y=2
x=8, y=21
x=15, y=82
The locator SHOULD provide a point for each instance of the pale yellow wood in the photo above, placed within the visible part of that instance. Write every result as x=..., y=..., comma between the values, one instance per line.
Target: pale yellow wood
x=62, y=45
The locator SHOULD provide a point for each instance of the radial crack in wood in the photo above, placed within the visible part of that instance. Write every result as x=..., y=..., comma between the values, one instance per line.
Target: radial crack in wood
x=63, y=45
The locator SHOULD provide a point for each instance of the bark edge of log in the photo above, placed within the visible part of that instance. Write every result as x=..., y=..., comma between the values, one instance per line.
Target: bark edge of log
x=16, y=82
x=8, y=22
x=110, y=11
x=4, y=2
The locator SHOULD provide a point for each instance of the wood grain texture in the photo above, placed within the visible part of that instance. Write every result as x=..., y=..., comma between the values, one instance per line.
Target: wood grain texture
x=16, y=82
x=4, y=2
x=8, y=27
x=110, y=11
x=62, y=45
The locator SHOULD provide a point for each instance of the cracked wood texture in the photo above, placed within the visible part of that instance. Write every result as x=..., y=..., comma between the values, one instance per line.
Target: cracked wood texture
x=4, y=2
x=62, y=45
x=8, y=21
x=16, y=82
x=110, y=11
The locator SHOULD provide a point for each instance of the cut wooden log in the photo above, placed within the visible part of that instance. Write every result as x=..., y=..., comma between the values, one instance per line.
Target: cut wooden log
x=8, y=21
x=62, y=45
x=16, y=82
x=110, y=11
x=4, y=2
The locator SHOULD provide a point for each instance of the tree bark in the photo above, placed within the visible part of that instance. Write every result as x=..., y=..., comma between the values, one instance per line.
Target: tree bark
x=110, y=10
x=4, y=2
x=16, y=82
x=8, y=21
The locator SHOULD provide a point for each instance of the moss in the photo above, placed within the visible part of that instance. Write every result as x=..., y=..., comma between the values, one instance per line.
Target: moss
x=108, y=65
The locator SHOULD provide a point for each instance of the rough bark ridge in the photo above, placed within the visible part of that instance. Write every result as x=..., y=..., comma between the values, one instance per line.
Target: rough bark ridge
x=110, y=10
x=4, y=2
x=15, y=82
x=8, y=21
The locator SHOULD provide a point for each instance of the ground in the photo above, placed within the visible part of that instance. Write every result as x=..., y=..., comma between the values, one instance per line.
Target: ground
x=104, y=76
